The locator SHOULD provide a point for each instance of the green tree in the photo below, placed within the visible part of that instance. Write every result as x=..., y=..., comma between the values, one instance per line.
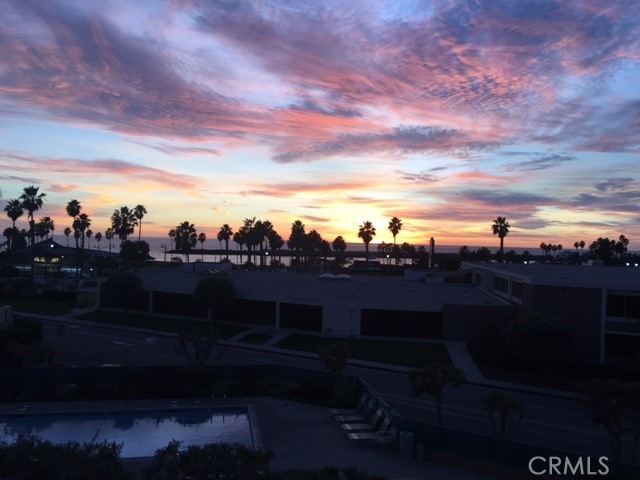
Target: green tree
x=616, y=406
x=505, y=413
x=186, y=238
x=433, y=379
x=139, y=212
x=122, y=290
x=32, y=202
x=334, y=356
x=200, y=345
x=30, y=457
x=136, y=251
x=366, y=232
x=501, y=228
x=538, y=339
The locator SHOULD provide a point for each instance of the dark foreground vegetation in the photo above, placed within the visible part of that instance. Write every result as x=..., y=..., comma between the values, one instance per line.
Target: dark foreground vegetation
x=31, y=458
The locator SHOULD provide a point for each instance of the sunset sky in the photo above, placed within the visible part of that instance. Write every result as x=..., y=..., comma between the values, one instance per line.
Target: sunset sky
x=446, y=114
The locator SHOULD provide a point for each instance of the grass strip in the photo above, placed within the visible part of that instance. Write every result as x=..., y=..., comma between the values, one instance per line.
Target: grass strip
x=40, y=306
x=153, y=322
x=408, y=354
x=256, y=338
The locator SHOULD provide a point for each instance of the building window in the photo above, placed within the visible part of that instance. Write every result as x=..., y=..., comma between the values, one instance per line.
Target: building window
x=623, y=306
x=516, y=289
x=500, y=284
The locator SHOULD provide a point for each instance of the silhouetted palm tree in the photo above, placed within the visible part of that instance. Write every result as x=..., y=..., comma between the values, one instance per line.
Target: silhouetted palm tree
x=89, y=234
x=98, y=237
x=14, y=212
x=366, y=232
x=501, y=228
x=238, y=237
x=297, y=239
x=202, y=237
x=48, y=225
x=186, y=238
x=123, y=222
x=225, y=233
x=275, y=242
x=172, y=236
x=32, y=202
x=80, y=226
x=395, y=225
x=139, y=212
x=67, y=231
x=108, y=234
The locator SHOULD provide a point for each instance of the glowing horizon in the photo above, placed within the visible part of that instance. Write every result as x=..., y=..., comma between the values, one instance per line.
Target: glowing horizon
x=444, y=114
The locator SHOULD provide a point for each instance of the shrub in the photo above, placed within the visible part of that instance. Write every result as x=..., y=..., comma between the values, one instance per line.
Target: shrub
x=334, y=356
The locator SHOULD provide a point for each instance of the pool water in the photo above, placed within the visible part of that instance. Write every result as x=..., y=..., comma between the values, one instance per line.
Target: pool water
x=141, y=433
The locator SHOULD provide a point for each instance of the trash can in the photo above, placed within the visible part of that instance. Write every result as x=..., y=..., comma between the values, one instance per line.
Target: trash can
x=406, y=445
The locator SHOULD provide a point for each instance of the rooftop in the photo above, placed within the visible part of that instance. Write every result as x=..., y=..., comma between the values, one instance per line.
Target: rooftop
x=372, y=291
x=620, y=278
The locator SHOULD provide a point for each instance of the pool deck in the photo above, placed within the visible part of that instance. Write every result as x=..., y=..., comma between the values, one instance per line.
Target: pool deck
x=301, y=435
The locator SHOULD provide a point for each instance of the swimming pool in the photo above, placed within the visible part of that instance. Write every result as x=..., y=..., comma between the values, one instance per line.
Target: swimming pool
x=140, y=432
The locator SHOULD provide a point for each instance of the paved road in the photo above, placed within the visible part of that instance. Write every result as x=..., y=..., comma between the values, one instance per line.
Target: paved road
x=549, y=422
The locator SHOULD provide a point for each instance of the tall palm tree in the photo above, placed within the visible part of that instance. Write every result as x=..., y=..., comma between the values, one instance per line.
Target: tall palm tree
x=186, y=238
x=395, y=225
x=98, y=237
x=202, y=237
x=123, y=222
x=14, y=212
x=108, y=234
x=172, y=236
x=297, y=239
x=48, y=225
x=366, y=232
x=89, y=234
x=67, y=231
x=238, y=237
x=80, y=226
x=32, y=202
x=139, y=212
x=225, y=233
x=73, y=208
x=501, y=228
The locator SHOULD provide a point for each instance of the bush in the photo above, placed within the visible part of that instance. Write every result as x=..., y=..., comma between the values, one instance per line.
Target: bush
x=334, y=356
x=123, y=290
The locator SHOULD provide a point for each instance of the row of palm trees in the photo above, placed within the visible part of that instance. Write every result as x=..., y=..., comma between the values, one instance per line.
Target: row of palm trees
x=123, y=221
x=253, y=233
x=256, y=234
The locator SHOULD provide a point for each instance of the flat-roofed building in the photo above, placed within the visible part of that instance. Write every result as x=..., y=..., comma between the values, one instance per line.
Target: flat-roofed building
x=599, y=305
x=434, y=307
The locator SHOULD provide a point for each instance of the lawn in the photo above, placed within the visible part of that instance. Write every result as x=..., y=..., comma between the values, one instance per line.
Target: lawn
x=152, y=322
x=409, y=354
x=256, y=338
x=39, y=305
